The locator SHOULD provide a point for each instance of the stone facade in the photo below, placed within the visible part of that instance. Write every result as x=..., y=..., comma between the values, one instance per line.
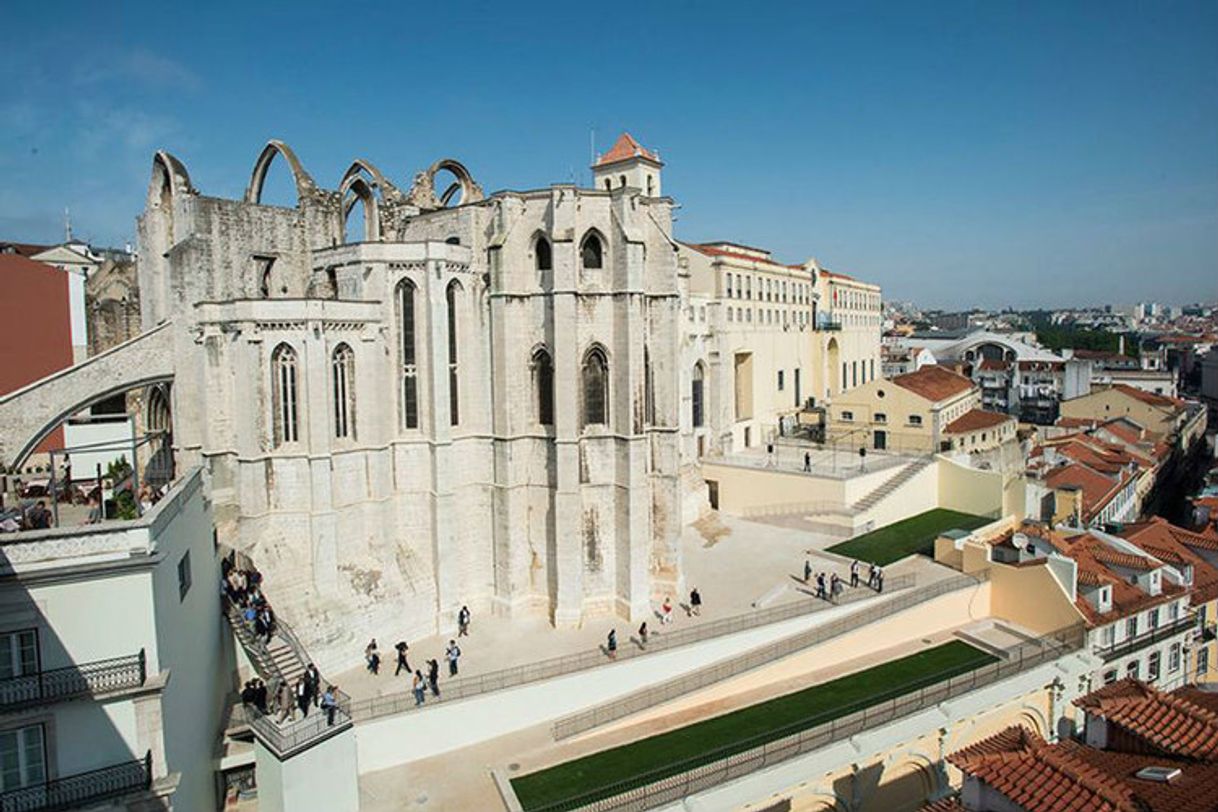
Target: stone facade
x=473, y=403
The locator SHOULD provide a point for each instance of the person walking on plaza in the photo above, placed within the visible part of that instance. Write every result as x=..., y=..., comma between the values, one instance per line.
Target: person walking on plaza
x=835, y=585
x=820, y=585
x=666, y=611
x=611, y=644
x=329, y=704
x=643, y=634
x=807, y=571
x=433, y=677
x=373, y=657
x=463, y=622
x=871, y=575
x=854, y=574
x=879, y=580
x=695, y=601
x=417, y=687
x=453, y=654
x=403, y=665
x=807, y=462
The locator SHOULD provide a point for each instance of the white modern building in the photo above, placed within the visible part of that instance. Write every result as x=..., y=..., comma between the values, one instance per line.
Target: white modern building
x=114, y=667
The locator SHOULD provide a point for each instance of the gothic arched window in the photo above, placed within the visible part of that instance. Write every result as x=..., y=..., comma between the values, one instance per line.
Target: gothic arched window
x=450, y=295
x=591, y=252
x=596, y=387
x=695, y=394
x=543, y=257
x=408, y=365
x=342, y=374
x=284, y=395
x=543, y=385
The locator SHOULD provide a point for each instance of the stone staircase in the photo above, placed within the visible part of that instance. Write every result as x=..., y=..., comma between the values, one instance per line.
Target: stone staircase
x=278, y=661
x=889, y=485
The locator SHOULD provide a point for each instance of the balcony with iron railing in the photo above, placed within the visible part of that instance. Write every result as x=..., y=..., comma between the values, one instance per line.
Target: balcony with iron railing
x=288, y=737
x=1141, y=641
x=73, y=682
x=87, y=789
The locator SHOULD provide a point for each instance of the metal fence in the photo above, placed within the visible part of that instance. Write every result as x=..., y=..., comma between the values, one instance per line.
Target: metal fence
x=83, y=789
x=88, y=679
x=673, y=782
x=289, y=736
x=463, y=687
x=732, y=666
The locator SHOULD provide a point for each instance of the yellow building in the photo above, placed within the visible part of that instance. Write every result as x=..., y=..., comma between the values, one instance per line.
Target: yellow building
x=762, y=338
x=1158, y=414
x=911, y=412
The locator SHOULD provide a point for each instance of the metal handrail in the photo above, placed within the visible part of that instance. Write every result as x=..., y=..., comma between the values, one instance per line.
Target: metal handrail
x=762, y=655
x=673, y=782
x=290, y=736
x=462, y=687
x=87, y=679
x=1131, y=644
x=73, y=791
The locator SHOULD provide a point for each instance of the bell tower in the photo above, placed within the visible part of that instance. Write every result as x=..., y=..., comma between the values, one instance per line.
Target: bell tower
x=628, y=163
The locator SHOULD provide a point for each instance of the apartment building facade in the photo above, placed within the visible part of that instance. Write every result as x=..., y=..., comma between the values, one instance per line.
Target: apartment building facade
x=113, y=672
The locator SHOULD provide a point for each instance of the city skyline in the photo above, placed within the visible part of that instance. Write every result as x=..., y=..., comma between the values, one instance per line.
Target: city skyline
x=935, y=152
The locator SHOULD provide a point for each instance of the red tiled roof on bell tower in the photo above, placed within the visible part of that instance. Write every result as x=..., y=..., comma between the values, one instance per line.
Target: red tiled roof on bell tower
x=626, y=148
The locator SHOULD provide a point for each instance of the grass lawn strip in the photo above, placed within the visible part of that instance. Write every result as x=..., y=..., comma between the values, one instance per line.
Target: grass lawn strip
x=916, y=534
x=600, y=775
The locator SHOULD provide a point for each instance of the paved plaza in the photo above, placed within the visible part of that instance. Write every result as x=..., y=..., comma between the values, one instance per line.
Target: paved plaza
x=463, y=780
x=743, y=564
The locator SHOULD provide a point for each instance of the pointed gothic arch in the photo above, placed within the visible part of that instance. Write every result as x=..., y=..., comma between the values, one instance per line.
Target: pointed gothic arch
x=358, y=192
x=594, y=374
x=272, y=150
x=592, y=250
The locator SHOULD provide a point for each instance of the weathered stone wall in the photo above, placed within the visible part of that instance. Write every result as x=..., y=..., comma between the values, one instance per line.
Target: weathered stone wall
x=394, y=528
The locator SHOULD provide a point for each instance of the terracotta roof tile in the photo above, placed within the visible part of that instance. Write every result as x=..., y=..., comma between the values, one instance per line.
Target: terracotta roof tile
x=1149, y=398
x=1072, y=777
x=1176, y=545
x=23, y=248
x=994, y=364
x=934, y=382
x=624, y=149
x=1097, y=489
x=1171, y=723
x=1087, y=551
x=975, y=420
x=953, y=804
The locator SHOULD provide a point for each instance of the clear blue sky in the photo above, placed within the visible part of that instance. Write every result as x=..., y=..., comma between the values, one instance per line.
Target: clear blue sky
x=957, y=153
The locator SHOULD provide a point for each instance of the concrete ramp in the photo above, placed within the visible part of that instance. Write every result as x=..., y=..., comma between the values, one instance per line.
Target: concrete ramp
x=31, y=413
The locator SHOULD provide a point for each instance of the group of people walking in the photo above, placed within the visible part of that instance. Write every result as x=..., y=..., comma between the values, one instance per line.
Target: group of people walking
x=665, y=614
x=828, y=588
x=243, y=588
x=305, y=693
x=293, y=697
x=420, y=682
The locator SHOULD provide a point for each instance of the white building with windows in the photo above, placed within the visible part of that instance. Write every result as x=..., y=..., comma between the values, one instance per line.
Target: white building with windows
x=113, y=669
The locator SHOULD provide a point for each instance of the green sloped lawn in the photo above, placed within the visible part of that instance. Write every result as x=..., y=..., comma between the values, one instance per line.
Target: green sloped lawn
x=598, y=775
x=916, y=534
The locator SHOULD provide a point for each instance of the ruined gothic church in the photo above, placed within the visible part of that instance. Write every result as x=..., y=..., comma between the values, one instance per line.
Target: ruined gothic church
x=473, y=401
